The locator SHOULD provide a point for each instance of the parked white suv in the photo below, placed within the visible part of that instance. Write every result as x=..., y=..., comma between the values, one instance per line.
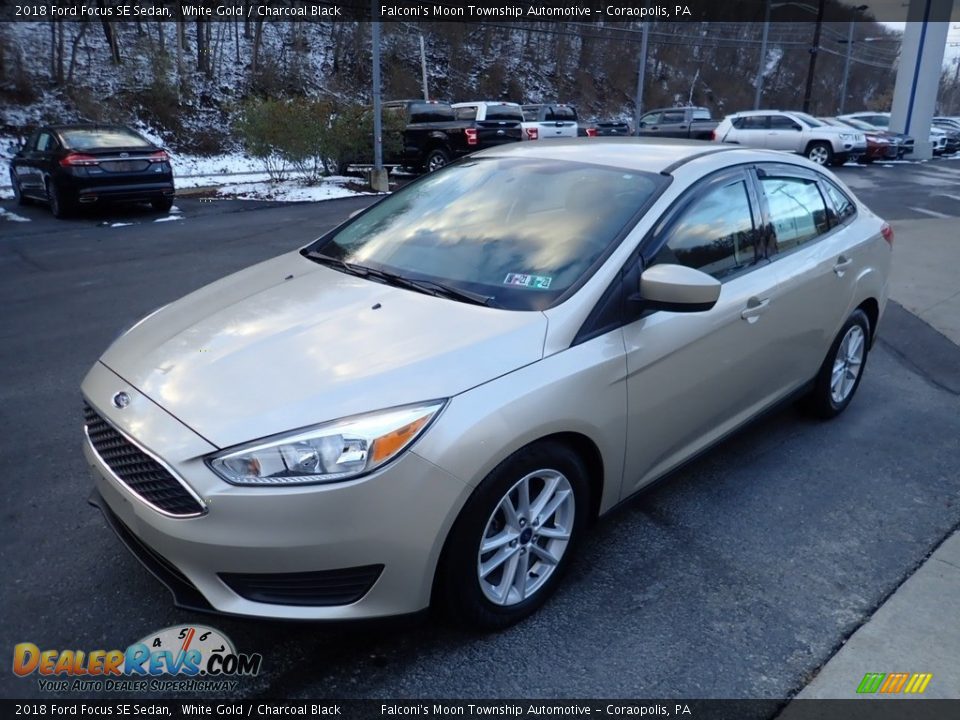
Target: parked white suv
x=792, y=132
x=549, y=120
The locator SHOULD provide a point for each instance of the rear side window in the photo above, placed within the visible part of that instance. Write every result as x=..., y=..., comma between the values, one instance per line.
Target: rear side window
x=531, y=113
x=842, y=205
x=751, y=122
x=701, y=114
x=45, y=142
x=673, y=116
x=466, y=113
x=504, y=112
x=560, y=113
x=431, y=112
x=102, y=138
x=715, y=234
x=798, y=213
x=650, y=119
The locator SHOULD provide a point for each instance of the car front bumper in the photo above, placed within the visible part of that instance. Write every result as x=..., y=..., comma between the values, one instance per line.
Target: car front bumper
x=387, y=527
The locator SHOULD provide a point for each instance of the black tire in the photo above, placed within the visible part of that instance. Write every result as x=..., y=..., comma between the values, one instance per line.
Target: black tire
x=162, y=204
x=819, y=152
x=60, y=207
x=436, y=159
x=821, y=400
x=17, y=193
x=458, y=586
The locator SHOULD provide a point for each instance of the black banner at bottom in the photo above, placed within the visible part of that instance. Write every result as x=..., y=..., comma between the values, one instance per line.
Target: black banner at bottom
x=857, y=709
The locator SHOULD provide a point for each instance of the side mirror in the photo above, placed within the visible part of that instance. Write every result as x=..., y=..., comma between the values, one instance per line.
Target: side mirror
x=678, y=288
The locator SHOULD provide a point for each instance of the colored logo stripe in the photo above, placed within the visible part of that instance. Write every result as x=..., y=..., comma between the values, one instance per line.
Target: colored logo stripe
x=871, y=682
x=918, y=682
x=893, y=683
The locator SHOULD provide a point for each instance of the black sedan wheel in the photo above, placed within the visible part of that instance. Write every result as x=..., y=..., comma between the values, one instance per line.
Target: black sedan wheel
x=60, y=207
x=162, y=204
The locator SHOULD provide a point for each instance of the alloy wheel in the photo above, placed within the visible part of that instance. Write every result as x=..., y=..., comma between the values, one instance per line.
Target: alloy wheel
x=436, y=161
x=819, y=154
x=847, y=364
x=525, y=537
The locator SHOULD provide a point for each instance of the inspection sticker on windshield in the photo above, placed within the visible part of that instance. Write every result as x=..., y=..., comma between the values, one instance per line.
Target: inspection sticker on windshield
x=537, y=282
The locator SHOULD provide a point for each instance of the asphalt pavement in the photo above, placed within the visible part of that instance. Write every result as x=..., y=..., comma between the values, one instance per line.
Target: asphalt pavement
x=738, y=577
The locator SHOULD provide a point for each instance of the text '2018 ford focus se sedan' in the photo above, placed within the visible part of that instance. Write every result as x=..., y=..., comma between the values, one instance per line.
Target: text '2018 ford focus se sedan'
x=431, y=402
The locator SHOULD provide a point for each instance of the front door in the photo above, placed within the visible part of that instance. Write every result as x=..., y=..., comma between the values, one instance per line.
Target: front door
x=692, y=377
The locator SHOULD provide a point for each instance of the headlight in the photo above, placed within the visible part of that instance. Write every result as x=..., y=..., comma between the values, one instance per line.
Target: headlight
x=330, y=452
x=847, y=137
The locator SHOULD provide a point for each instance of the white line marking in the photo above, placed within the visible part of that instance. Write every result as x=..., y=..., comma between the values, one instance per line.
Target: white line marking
x=948, y=195
x=931, y=213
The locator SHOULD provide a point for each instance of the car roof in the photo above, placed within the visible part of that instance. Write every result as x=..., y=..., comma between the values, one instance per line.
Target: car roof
x=653, y=155
x=486, y=102
x=89, y=126
x=748, y=113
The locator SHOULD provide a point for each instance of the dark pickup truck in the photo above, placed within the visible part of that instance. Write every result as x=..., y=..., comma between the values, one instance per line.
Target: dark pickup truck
x=680, y=122
x=432, y=136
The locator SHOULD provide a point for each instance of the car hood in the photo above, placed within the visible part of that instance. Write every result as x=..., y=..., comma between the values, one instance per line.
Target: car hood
x=289, y=343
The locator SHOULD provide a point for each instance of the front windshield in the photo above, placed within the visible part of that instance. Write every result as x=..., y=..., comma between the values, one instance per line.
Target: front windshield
x=808, y=119
x=859, y=124
x=520, y=230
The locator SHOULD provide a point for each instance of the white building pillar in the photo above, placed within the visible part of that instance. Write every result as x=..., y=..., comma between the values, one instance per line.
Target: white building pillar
x=918, y=74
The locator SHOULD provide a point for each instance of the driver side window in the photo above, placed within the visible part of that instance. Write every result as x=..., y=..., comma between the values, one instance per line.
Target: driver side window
x=715, y=234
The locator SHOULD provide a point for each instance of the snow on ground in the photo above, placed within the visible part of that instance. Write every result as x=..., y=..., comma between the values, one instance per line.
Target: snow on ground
x=12, y=216
x=291, y=190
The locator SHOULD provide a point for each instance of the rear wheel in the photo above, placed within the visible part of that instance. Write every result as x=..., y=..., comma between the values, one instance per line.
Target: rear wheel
x=840, y=374
x=60, y=207
x=514, y=538
x=820, y=152
x=436, y=159
x=162, y=204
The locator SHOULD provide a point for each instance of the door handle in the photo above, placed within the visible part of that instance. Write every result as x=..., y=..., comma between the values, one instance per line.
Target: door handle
x=755, y=308
x=843, y=262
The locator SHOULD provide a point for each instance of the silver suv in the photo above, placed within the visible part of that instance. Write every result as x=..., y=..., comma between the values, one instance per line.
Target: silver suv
x=792, y=132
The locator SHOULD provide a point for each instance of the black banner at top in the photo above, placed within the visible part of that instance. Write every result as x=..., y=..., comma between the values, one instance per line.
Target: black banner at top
x=499, y=11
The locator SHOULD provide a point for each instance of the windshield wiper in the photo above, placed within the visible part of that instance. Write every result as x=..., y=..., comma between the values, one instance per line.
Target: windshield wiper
x=333, y=262
x=428, y=287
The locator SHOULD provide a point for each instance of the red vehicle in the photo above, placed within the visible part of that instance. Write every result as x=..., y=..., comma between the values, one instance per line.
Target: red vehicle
x=879, y=145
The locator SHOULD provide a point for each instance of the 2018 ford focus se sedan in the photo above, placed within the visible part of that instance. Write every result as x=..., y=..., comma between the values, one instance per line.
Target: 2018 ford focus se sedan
x=431, y=402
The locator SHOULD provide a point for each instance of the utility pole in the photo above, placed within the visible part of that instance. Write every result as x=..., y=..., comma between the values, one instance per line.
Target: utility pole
x=814, y=50
x=378, y=176
x=641, y=76
x=846, y=62
x=423, y=70
x=846, y=70
x=763, y=56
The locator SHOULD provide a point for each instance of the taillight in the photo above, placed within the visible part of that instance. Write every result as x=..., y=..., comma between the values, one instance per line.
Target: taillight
x=532, y=133
x=713, y=135
x=159, y=156
x=887, y=233
x=471, y=136
x=78, y=159
x=591, y=132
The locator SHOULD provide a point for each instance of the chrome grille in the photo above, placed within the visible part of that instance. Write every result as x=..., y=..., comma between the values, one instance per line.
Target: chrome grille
x=138, y=471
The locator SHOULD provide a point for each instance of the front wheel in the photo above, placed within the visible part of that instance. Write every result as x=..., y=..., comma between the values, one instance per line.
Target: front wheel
x=840, y=374
x=436, y=159
x=820, y=152
x=514, y=538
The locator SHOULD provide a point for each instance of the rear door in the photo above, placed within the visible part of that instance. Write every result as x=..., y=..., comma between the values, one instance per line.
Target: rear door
x=26, y=166
x=692, y=377
x=749, y=130
x=817, y=259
